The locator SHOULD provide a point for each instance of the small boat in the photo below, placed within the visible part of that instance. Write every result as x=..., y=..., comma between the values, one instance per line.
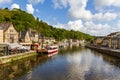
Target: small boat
x=52, y=50
x=49, y=50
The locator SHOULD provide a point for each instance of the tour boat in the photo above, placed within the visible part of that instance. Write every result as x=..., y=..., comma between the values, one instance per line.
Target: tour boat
x=49, y=50
x=52, y=50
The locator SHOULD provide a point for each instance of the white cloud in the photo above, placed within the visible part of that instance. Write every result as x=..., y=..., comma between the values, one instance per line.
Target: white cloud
x=97, y=29
x=75, y=25
x=88, y=22
x=60, y=26
x=15, y=6
x=29, y=8
x=117, y=26
x=71, y=25
x=5, y=1
x=105, y=17
x=118, y=23
x=102, y=3
x=77, y=10
x=56, y=4
x=37, y=11
x=60, y=3
x=35, y=1
x=80, y=14
x=88, y=27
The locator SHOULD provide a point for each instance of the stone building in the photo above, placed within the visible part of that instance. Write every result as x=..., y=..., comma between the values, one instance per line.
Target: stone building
x=1, y=35
x=98, y=41
x=112, y=41
x=8, y=33
x=115, y=42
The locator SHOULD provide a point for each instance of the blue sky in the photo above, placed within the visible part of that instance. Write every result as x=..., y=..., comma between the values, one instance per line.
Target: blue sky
x=95, y=17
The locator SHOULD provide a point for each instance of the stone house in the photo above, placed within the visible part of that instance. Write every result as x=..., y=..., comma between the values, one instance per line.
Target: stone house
x=28, y=36
x=47, y=40
x=112, y=41
x=1, y=35
x=8, y=33
x=98, y=41
x=33, y=35
x=106, y=42
x=24, y=37
x=115, y=42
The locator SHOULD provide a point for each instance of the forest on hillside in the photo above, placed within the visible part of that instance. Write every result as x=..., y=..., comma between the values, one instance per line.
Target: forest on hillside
x=22, y=21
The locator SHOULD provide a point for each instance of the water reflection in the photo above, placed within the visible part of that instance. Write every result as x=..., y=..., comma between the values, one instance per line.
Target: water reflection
x=87, y=66
x=12, y=71
x=108, y=59
x=70, y=64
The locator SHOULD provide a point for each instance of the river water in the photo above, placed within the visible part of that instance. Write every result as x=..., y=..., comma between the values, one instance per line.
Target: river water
x=70, y=64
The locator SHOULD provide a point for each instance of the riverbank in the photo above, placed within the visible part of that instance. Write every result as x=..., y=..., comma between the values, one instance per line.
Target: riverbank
x=108, y=51
x=14, y=57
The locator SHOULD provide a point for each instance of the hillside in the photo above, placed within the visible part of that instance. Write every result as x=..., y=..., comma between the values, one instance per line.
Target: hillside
x=23, y=21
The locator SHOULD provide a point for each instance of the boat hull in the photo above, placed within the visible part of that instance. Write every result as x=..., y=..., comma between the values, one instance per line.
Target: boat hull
x=52, y=52
x=48, y=52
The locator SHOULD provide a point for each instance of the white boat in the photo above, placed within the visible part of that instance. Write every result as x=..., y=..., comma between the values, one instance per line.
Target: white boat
x=49, y=50
x=52, y=50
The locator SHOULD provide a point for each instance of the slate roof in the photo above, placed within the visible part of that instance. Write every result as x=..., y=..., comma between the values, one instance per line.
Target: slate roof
x=114, y=34
x=31, y=32
x=5, y=25
x=22, y=34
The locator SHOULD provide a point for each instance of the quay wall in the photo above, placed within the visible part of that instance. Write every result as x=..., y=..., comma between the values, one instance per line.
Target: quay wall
x=110, y=52
x=14, y=57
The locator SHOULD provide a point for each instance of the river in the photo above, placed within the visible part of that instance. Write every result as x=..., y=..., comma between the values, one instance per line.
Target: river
x=76, y=63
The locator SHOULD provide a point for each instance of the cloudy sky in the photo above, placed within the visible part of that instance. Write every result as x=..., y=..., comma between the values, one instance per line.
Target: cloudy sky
x=95, y=17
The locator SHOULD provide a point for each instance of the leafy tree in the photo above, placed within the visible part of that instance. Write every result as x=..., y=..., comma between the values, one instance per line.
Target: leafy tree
x=22, y=21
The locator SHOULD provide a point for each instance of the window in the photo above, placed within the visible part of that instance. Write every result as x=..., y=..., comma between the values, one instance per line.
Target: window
x=11, y=35
x=11, y=30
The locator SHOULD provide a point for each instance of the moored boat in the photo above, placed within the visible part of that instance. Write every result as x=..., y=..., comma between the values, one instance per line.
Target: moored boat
x=52, y=50
x=49, y=50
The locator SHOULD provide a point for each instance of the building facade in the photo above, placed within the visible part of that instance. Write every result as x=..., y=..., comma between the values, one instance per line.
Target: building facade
x=98, y=41
x=110, y=41
x=1, y=36
x=10, y=35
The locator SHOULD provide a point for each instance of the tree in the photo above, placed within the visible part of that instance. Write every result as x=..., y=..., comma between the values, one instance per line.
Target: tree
x=22, y=21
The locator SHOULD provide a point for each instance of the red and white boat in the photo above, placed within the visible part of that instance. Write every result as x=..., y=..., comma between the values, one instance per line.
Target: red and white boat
x=49, y=50
x=52, y=50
